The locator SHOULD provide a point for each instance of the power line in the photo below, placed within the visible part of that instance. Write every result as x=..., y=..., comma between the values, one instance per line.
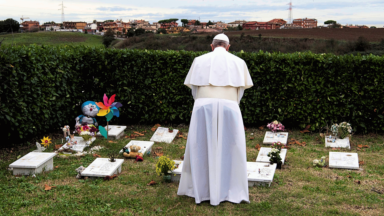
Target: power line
x=62, y=12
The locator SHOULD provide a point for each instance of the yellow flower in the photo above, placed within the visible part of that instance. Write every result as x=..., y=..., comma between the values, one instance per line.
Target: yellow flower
x=46, y=141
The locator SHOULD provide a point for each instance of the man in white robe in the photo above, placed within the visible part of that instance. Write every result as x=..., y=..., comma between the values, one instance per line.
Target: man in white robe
x=215, y=163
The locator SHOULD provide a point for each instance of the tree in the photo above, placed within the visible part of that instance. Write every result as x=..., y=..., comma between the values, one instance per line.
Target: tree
x=197, y=22
x=239, y=27
x=85, y=31
x=373, y=26
x=123, y=30
x=184, y=22
x=9, y=25
x=328, y=22
x=108, y=38
x=108, y=21
x=209, y=23
x=131, y=32
x=139, y=31
x=161, y=30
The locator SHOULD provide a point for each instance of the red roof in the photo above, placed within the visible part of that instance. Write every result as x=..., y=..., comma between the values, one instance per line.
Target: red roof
x=250, y=23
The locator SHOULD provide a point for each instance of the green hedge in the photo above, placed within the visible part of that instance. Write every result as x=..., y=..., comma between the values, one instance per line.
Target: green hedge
x=42, y=87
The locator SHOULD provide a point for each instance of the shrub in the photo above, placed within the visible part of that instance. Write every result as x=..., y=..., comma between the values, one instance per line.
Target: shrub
x=108, y=38
x=42, y=87
x=362, y=44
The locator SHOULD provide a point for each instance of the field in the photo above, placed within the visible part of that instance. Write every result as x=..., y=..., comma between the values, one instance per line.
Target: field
x=372, y=35
x=52, y=38
x=298, y=188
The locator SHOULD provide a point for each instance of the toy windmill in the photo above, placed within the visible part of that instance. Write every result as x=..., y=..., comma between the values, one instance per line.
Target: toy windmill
x=108, y=109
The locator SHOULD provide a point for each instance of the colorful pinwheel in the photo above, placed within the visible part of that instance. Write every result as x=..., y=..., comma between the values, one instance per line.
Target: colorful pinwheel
x=108, y=109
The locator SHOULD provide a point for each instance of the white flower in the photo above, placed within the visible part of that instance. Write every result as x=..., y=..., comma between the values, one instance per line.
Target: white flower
x=85, y=133
x=315, y=161
x=323, y=157
x=275, y=122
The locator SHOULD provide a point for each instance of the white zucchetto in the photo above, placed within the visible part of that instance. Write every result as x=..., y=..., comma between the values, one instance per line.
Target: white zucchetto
x=222, y=37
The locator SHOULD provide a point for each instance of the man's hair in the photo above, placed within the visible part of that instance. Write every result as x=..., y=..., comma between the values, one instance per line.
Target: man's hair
x=217, y=43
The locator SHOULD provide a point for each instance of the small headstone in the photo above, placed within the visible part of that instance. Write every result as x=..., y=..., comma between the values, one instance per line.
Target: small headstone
x=102, y=167
x=80, y=146
x=39, y=148
x=114, y=131
x=258, y=173
x=33, y=162
x=271, y=137
x=163, y=135
x=263, y=155
x=146, y=146
x=343, y=160
x=337, y=143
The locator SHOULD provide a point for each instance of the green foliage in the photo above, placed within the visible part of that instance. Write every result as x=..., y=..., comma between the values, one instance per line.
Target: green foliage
x=330, y=22
x=197, y=23
x=42, y=87
x=108, y=38
x=168, y=20
x=239, y=27
x=184, y=22
x=209, y=23
x=139, y=31
x=161, y=30
x=9, y=25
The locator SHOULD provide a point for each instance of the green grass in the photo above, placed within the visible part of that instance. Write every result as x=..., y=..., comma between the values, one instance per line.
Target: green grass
x=297, y=189
x=53, y=38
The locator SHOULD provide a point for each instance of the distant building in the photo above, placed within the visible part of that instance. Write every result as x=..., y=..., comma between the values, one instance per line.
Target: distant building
x=116, y=26
x=236, y=23
x=277, y=23
x=204, y=30
x=220, y=25
x=356, y=26
x=168, y=25
x=179, y=29
x=305, y=23
x=30, y=25
x=91, y=28
x=74, y=25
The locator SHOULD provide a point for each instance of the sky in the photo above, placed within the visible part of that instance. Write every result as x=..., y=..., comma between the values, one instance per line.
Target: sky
x=368, y=12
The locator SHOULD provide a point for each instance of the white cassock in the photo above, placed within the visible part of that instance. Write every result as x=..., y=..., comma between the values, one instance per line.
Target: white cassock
x=215, y=163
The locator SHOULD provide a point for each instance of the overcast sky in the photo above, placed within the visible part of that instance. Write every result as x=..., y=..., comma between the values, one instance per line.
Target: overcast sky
x=369, y=12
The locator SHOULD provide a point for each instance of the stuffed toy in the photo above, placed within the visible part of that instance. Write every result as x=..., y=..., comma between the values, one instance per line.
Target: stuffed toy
x=134, y=152
x=90, y=110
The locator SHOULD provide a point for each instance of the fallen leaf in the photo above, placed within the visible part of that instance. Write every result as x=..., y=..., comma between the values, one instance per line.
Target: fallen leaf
x=151, y=183
x=262, y=127
x=358, y=149
x=357, y=182
x=361, y=162
x=251, y=138
x=182, y=147
x=126, y=137
x=180, y=136
x=185, y=138
x=348, y=176
x=365, y=146
x=258, y=147
x=158, y=154
x=47, y=187
x=157, y=125
x=303, y=143
x=110, y=177
x=159, y=148
x=297, y=142
x=57, y=147
x=56, y=166
x=288, y=147
x=96, y=155
x=377, y=191
x=153, y=129
x=360, y=146
x=136, y=132
x=306, y=129
x=182, y=157
x=110, y=141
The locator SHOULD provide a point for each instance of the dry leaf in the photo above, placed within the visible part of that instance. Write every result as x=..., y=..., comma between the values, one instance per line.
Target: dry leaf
x=306, y=129
x=358, y=149
x=153, y=129
x=158, y=154
x=297, y=142
x=57, y=147
x=110, y=141
x=157, y=125
x=303, y=143
x=357, y=182
x=251, y=138
x=360, y=146
x=185, y=138
x=56, y=166
x=258, y=147
x=126, y=137
x=151, y=183
x=365, y=146
x=182, y=157
x=182, y=147
x=47, y=187
x=348, y=176
x=159, y=148
x=262, y=127
x=96, y=155
x=361, y=162
x=110, y=177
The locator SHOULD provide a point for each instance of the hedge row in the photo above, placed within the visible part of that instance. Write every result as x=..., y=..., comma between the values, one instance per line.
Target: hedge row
x=42, y=87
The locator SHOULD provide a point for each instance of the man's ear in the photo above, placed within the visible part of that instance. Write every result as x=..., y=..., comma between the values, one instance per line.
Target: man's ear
x=212, y=47
x=228, y=47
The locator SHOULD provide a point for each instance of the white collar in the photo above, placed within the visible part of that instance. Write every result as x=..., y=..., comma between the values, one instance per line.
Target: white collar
x=219, y=49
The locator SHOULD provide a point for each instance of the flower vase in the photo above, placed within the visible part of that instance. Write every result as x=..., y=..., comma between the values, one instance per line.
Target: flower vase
x=167, y=178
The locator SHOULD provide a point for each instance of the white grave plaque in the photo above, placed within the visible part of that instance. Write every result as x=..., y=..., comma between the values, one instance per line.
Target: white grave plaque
x=146, y=146
x=343, y=160
x=114, y=131
x=33, y=163
x=271, y=137
x=80, y=146
x=339, y=143
x=263, y=155
x=258, y=173
x=163, y=135
x=102, y=167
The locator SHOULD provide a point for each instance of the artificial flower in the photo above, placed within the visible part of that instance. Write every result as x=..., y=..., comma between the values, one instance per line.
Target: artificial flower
x=46, y=141
x=109, y=108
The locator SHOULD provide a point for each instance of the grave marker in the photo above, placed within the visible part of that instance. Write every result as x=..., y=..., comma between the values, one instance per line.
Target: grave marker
x=80, y=146
x=102, y=167
x=114, y=131
x=163, y=135
x=339, y=143
x=146, y=146
x=33, y=163
x=263, y=155
x=271, y=137
x=343, y=160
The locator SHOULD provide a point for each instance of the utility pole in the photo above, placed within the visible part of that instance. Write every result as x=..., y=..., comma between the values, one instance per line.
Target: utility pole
x=62, y=12
x=290, y=12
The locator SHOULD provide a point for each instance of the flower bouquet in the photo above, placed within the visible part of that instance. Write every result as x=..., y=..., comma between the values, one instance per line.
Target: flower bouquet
x=165, y=166
x=274, y=154
x=276, y=126
x=342, y=130
x=86, y=131
x=319, y=163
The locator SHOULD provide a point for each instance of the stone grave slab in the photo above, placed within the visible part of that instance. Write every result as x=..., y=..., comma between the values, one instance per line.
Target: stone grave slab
x=264, y=177
x=33, y=163
x=162, y=135
x=39, y=148
x=176, y=173
x=81, y=144
x=114, y=131
x=263, y=155
x=102, y=167
x=271, y=137
x=260, y=173
x=339, y=143
x=146, y=146
x=343, y=160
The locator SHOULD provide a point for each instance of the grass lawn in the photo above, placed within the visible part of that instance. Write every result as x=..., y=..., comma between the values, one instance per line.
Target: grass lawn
x=297, y=189
x=53, y=38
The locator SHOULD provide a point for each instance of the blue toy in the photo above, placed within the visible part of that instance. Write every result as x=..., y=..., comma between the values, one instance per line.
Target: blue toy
x=90, y=110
